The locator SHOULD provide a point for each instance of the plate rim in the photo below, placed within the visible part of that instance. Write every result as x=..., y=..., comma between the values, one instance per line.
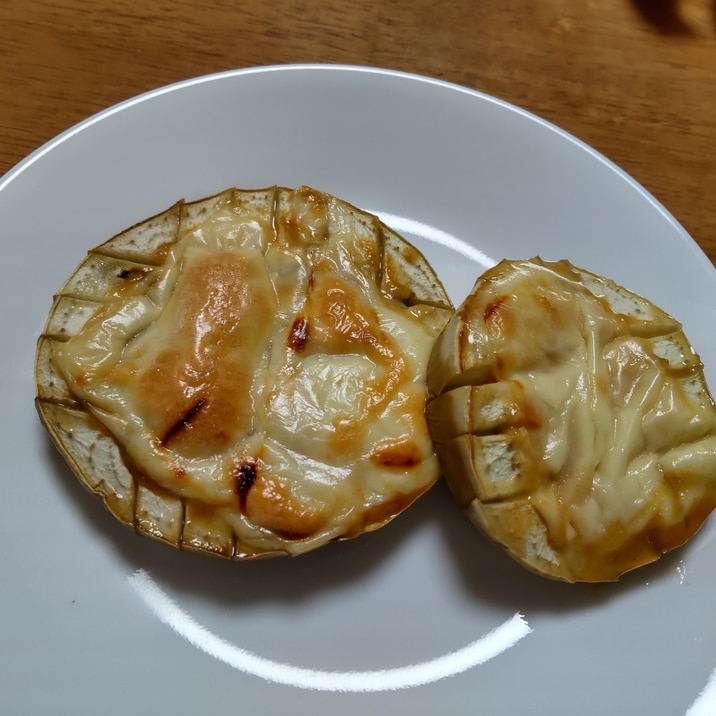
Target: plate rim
x=315, y=67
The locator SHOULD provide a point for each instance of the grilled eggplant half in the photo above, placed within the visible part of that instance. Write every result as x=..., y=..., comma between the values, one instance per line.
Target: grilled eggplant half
x=572, y=420
x=244, y=375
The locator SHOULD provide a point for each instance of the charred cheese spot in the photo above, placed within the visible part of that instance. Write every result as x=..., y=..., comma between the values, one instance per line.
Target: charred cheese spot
x=245, y=476
x=184, y=422
x=298, y=335
x=397, y=455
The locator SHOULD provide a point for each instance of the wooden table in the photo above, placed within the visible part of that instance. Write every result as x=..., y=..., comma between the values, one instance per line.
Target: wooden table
x=636, y=79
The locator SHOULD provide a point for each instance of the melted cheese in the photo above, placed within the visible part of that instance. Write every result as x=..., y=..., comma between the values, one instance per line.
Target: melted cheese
x=261, y=370
x=605, y=391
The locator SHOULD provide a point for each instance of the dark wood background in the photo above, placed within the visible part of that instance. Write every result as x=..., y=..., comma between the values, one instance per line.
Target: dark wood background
x=636, y=79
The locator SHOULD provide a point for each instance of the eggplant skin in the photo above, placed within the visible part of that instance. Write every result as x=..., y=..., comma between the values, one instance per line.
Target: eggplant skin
x=244, y=375
x=572, y=421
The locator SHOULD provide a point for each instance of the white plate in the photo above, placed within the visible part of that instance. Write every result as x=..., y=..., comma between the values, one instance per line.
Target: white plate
x=94, y=619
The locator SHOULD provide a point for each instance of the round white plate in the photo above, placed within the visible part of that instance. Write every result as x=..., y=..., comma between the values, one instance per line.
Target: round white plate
x=423, y=616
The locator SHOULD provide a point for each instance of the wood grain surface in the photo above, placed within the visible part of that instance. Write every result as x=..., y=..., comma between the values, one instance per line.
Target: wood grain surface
x=636, y=79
